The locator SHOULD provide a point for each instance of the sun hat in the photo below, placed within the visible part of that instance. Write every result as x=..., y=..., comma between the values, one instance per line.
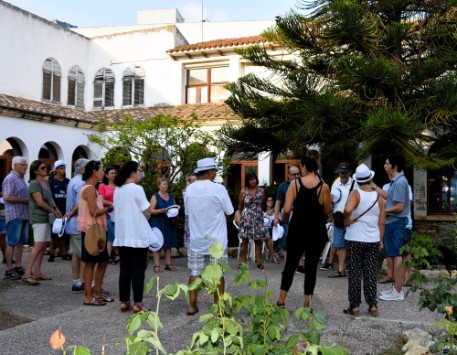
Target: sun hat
x=205, y=164
x=278, y=232
x=58, y=164
x=157, y=239
x=173, y=211
x=343, y=168
x=336, y=195
x=363, y=174
x=58, y=227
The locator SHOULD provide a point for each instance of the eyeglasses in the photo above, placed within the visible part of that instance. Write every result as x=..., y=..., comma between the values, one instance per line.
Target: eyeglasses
x=294, y=174
x=21, y=164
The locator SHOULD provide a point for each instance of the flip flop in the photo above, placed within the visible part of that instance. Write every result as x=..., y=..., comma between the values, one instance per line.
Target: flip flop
x=43, y=278
x=192, y=313
x=95, y=302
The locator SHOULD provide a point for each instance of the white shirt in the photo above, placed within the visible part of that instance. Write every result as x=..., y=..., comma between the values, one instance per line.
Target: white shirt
x=207, y=204
x=131, y=226
x=344, y=189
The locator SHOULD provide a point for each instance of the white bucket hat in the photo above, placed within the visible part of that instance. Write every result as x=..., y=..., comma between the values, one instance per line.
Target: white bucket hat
x=58, y=226
x=173, y=211
x=157, y=239
x=363, y=174
x=278, y=232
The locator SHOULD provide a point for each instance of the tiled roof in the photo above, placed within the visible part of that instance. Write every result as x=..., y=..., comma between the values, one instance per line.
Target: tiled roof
x=209, y=114
x=220, y=44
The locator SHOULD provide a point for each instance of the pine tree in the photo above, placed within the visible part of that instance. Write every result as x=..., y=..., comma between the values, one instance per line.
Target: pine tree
x=359, y=75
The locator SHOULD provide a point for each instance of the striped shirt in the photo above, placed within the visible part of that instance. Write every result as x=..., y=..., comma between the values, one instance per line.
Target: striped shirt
x=15, y=185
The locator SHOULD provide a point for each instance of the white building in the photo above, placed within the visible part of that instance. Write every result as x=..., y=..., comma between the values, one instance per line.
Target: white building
x=55, y=83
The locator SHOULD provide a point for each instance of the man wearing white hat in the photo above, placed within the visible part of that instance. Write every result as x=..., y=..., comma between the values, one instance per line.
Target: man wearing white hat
x=207, y=204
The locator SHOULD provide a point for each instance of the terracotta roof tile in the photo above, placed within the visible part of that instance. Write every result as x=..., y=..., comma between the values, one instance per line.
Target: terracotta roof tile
x=220, y=43
x=210, y=113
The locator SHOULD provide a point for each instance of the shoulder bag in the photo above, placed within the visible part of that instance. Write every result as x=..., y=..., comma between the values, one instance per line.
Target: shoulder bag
x=95, y=239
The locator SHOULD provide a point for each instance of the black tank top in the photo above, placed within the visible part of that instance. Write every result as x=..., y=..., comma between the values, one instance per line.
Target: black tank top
x=308, y=215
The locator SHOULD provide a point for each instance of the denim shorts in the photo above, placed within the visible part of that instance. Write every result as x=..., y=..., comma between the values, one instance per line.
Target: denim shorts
x=395, y=237
x=196, y=262
x=338, y=237
x=17, y=232
x=282, y=244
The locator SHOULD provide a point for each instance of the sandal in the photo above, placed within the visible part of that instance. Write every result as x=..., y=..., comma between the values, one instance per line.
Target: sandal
x=352, y=311
x=30, y=281
x=281, y=305
x=43, y=277
x=191, y=313
x=106, y=298
x=95, y=302
x=125, y=307
x=170, y=267
x=138, y=307
x=157, y=269
x=260, y=267
x=373, y=311
x=337, y=274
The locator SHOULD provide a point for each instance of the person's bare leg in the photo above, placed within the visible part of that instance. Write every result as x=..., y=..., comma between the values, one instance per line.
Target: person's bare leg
x=18, y=250
x=390, y=270
x=99, y=275
x=282, y=297
x=192, y=297
x=332, y=255
x=88, y=274
x=398, y=273
x=33, y=255
x=9, y=257
x=167, y=253
x=407, y=270
x=3, y=244
x=258, y=252
x=39, y=260
x=307, y=303
x=341, y=260
x=270, y=248
x=244, y=250
x=156, y=257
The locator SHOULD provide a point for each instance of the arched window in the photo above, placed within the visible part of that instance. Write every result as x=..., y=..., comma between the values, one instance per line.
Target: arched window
x=76, y=87
x=133, y=86
x=104, y=88
x=441, y=186
x=51, y=80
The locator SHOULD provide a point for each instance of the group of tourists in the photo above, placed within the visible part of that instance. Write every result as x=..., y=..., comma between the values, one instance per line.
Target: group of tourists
x=366, y=218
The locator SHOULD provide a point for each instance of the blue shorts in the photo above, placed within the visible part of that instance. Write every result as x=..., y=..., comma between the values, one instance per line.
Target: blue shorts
x=395, y=237
x=196, y=262
x=338, y=237
x=282, y=243
x=17, y=232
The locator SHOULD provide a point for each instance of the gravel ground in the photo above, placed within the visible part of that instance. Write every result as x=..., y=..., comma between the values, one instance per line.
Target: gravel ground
x=29, y=315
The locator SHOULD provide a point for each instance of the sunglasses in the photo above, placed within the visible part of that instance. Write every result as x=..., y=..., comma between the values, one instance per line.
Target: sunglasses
x=295, y=174
x=43, y=168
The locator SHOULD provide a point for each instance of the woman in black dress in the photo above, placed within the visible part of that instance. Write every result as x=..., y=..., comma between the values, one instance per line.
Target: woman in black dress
x=310, y=199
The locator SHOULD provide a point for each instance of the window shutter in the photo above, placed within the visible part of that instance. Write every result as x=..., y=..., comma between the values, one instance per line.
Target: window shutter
x=46, y=85
x=139, y=91
x=127, y=91
x=71, y=92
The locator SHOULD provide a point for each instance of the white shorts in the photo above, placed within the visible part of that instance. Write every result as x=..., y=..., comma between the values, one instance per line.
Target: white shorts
x=41, y=232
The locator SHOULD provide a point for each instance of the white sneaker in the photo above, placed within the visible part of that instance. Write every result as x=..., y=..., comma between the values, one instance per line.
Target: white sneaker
x=385, y=292
x=393, y=295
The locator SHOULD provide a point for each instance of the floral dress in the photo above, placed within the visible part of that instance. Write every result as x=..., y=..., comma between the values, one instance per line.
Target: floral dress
x=251, y=222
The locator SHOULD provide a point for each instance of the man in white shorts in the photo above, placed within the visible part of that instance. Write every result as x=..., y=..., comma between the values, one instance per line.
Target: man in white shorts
x=207, y=204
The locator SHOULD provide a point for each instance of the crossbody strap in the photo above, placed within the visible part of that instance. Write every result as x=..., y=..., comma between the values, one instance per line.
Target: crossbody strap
x=374, y=203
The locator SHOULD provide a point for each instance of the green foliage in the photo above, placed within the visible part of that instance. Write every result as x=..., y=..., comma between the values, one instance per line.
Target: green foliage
x=347, y=68
x=423, y=252
x=166, y=147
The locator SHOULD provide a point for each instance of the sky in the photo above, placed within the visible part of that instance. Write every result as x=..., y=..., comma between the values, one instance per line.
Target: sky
x=91, y=13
